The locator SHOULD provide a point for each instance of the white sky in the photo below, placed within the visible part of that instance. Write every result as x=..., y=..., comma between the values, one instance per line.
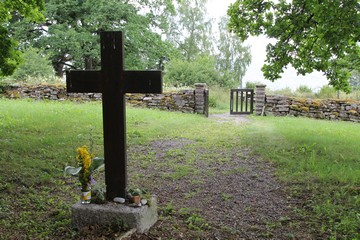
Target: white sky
x=315, y=80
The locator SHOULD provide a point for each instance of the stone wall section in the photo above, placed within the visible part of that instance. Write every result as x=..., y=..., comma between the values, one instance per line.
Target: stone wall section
x=332, y=109
x=183, y=101
x=190, y=101
x=259, y=99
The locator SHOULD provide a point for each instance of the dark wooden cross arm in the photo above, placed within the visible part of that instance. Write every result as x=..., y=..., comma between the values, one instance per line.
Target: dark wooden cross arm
x=85, y=81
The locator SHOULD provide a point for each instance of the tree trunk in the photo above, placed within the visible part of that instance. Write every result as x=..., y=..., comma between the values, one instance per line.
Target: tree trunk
x=89, y=63
x=59, y=69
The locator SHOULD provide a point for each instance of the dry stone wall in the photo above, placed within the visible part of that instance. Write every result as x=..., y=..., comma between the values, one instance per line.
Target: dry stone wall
x=191, y=101
x=332, y=109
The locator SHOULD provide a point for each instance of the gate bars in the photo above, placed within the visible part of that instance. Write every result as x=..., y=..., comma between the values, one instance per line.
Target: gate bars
x=241, y=101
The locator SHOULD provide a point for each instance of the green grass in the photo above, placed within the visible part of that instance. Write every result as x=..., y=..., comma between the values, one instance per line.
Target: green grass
x=219, y=100
x=38, y=139
x=320, y=160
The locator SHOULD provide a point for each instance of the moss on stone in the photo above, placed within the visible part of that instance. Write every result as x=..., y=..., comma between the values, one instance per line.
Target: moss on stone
x=295, y=107
x=317, y=103
x=335, y=113
x=353, y=112
x=305, y=109
x=13, y=93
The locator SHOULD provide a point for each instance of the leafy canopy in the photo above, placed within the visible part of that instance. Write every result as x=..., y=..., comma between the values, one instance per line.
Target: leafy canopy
x=71, y=32
x=310, y=35
x=10, y=57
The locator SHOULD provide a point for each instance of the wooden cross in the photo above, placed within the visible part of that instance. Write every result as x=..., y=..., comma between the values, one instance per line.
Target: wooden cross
x=113, y=82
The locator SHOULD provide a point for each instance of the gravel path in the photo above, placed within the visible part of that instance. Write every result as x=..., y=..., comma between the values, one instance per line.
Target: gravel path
x=230, y=194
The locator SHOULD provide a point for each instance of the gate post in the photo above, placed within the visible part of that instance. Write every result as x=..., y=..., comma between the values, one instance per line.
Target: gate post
x=201, y=99
x=259, y=99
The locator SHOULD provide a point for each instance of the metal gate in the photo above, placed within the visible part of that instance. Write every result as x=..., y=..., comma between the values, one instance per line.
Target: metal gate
x=242, y=101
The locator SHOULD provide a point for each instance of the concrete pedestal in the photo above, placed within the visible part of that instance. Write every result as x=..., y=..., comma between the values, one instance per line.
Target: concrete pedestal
x=141, y=218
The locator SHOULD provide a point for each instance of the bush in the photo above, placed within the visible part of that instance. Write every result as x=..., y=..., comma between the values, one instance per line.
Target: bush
x=252, y=85
x=201, y=70
x=34, y=65
x=304, y=89
x=285, y=92
x=212, y=102
x=327, y=92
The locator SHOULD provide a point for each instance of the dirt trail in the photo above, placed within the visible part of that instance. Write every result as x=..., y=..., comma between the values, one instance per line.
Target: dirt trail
x=226, y=117
x=230, y=194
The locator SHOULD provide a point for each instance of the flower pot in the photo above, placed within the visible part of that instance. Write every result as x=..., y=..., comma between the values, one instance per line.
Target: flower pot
x=135, y=199
x=85, y=197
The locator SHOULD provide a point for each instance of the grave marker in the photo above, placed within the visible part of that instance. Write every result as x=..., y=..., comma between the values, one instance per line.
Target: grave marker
x=113, y=82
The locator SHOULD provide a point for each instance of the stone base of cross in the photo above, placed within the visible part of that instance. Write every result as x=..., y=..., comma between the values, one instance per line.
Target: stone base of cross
x=113, y=82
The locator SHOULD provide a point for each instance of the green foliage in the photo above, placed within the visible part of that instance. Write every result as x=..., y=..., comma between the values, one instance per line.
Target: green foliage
x=284, y=91
x=10, y=56
x=34, y=65
x=168, y=209
x=189, y=29
x=354, y=80
x=304, y=89
x=311, y=35
x=304, y=92
x=212, y=102
x=73, y=26
x=327, y=92
x=219, y=99
x=31, y=9
x=252, y=85
x=201, y=70
x=226, y=197
x=196, y=222
x=233, y=58
x=98, y=192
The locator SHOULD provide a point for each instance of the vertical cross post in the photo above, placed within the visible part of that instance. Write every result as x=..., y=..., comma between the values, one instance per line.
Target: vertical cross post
x=113, y=82
x=114, y=114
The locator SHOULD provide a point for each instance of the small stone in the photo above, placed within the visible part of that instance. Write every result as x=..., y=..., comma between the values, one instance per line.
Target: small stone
x=143, y=202
x=119, y=200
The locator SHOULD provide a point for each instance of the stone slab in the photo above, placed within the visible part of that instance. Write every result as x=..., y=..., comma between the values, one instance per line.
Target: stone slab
x=142, y=218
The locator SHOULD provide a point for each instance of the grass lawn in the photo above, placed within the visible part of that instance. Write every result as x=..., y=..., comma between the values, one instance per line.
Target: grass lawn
x=321, y=163
x=317, y=160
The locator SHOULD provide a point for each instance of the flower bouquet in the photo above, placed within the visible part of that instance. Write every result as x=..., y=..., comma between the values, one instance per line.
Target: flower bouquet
x=87, y=165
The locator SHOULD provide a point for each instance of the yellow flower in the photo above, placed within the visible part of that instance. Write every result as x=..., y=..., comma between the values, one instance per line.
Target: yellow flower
x=83, y=157
x=87, y=162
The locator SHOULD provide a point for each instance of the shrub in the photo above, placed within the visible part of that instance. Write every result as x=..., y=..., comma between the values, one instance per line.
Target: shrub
x=285, y=92
x=252, y=85
x=304, y=89
x=201, y=70
x=34, y=65
x=327, y=92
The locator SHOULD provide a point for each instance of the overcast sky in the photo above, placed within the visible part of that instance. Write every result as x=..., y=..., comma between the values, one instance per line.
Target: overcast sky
x=218, y=8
